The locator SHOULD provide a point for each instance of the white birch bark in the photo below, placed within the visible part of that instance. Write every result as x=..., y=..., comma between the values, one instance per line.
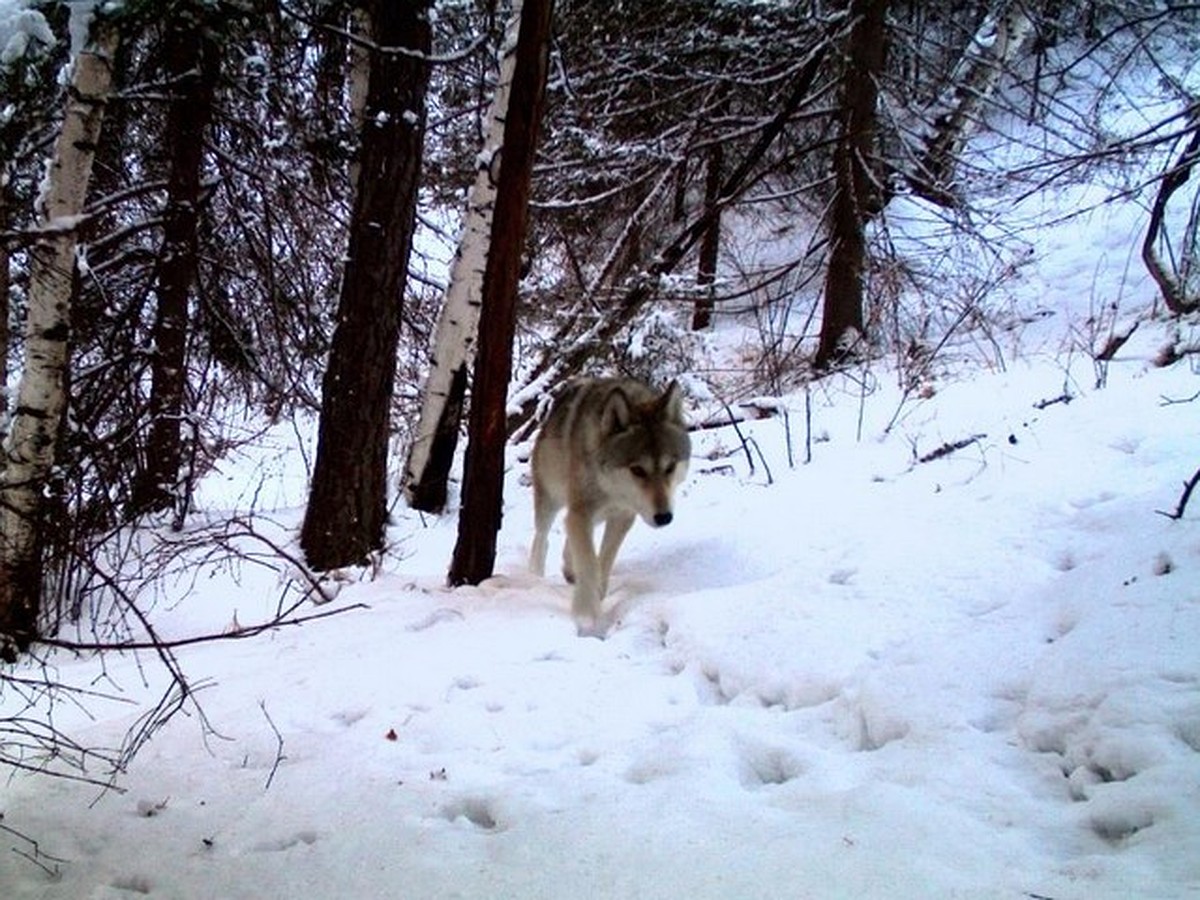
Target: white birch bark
x=996, y=45
x=29, y=448
x=458, y=323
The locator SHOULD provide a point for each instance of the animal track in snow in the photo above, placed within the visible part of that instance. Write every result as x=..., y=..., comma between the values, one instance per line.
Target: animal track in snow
x=476, y=810
x=307, y=837
x=1118, y=825
x=349, y=717
x=133, y=884
x=764, y=766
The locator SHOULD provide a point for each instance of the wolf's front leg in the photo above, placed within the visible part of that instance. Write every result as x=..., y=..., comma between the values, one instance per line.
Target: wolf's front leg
x=585, y=566
x=614, y=534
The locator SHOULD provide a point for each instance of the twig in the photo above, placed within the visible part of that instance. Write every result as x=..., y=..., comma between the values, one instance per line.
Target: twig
x=1173, y=401
x=1188, y=487
x=246, y=631
x=808, y=457
x=279, y=757
x=37, y=855
x=745, y=447
x=1063, y=398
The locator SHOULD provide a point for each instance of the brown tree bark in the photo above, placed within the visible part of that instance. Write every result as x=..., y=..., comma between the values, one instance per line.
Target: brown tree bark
x=710, y=244
x=483, y=479
x=347, y=505
x=192, y=59
x=855, y=195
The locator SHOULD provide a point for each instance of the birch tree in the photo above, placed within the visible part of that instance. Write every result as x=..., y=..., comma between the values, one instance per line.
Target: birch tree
x=483, y=479
x=436, y=433
x=994, y=48
x=29, y=449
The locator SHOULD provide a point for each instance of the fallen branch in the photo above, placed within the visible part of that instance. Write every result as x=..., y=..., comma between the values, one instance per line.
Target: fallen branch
x=36, y=854
x=1064, y=398
x=1188, y=487
x=950, y=447
x=234, y=634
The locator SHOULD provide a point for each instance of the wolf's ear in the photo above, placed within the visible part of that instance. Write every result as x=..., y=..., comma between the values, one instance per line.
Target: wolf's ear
x=617, y=413
x=669, y=406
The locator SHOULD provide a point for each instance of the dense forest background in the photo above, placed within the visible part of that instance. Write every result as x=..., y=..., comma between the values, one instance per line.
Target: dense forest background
x=265, y=179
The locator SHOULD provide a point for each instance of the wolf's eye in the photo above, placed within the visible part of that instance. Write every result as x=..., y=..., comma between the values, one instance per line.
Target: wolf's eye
x=669, y=469
x=638, y=472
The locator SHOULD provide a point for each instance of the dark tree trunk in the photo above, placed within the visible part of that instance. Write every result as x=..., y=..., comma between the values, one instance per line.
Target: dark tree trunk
x=347, y=504
x=428, y=493
x=856, y=195
x=5, y=338
x=483, y=479
x=710, y=244
x=192, y=58
x=1174, y=289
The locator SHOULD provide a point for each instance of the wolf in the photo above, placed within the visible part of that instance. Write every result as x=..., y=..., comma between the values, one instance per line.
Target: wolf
x=611, y=450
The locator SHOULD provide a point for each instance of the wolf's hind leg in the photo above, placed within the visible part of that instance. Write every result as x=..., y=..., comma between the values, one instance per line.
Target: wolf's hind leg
x=544, y=511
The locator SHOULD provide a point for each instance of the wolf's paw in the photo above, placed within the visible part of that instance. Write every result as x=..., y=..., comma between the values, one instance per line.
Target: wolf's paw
x=591, y=627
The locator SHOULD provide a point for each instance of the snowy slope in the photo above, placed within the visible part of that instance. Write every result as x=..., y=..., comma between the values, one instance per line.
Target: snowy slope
x=973, y=677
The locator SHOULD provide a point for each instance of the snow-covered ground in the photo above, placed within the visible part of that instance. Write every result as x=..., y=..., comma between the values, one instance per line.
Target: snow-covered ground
x=861, y=677
x=972, y=677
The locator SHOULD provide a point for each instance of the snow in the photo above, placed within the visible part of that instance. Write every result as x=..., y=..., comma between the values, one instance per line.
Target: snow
x=977, y=677
x=21, y=27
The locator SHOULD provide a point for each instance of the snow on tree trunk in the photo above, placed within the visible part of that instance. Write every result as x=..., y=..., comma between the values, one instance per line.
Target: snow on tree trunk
x=29, y=450
x=997, y=43
x=436, y=434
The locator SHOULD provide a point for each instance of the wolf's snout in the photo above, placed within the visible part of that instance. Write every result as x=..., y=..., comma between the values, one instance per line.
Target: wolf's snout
x=662, y=518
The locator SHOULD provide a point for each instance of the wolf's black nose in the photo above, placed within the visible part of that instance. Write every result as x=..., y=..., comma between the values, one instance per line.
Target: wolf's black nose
x=663, y=518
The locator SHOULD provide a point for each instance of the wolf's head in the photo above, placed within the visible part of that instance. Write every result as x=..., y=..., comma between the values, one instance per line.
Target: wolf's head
x=645, y=452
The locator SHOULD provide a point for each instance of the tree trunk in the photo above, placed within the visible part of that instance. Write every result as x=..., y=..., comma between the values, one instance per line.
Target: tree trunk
x=347, y=505
x=360, y=78
x=710, y=244
x=192, y=59
x=855, y=194
x=436, y=434
x=998, y=41
x=1174, y=289
x=5, y=308
x=30, y=447
x=483, y=480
